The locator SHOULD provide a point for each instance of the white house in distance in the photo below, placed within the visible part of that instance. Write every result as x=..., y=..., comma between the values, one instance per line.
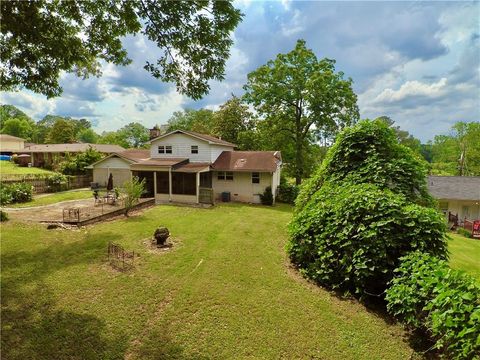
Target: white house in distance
x=188, y=167
x=459, y=195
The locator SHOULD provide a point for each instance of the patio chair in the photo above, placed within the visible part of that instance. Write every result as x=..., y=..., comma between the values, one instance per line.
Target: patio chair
x=98, y=199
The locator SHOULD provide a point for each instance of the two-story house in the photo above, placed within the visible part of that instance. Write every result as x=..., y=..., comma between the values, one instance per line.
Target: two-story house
x=188, y=167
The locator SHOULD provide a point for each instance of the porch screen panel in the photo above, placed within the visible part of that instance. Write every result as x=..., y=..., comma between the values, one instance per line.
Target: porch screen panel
x=162, y=182
x=184, y=183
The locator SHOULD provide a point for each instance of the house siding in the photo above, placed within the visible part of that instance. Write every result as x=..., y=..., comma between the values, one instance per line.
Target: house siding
x=464, y=208
x=241, y=188
x=118, y=167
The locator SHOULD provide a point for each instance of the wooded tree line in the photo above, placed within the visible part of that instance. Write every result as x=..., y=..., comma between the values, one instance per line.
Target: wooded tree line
x=295, y=103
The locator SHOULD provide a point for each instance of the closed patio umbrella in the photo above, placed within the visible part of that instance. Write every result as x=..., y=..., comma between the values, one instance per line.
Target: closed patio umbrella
x=110, y=183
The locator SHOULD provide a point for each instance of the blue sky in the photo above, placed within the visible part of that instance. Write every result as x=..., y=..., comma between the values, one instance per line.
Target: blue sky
x=417, y=62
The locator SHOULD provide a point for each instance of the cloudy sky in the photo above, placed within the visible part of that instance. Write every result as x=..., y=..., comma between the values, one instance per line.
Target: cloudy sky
x=417, y=62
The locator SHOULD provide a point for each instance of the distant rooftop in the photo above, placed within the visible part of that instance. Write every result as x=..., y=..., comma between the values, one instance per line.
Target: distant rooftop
x=455, y=187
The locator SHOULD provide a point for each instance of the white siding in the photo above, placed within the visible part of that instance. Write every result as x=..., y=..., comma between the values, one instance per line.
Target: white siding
x=182, y=145
x=118, y=167
x=276, y=180
x=464, y=209
x=241, y=188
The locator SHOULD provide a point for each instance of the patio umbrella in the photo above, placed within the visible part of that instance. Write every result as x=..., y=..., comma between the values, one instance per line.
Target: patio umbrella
x=110, y=183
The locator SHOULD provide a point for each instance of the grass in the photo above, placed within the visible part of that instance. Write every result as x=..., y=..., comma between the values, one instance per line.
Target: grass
x=8, y=168
x=465, y=254
x=55, y=198
x=224, y=291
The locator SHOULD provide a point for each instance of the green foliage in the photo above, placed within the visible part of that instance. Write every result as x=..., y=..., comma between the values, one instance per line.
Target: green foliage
x=427, y=294
x=369, y=152
x=75, y=36
x=57, y=182
x=464, y=232
x=133, y=190
x=267, y=197
x=287, y=193
x=87, y=136
x=351, y=236
x=3, y=216
x=299, y=97
x=403, y=137
x=132, y=135
x=15, y=193
x=459, y=152
x=200, y=121
x=21, y=128
x=75, y=165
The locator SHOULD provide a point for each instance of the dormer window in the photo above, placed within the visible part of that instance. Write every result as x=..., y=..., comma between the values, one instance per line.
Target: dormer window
x=194, y=149
x=165, y=149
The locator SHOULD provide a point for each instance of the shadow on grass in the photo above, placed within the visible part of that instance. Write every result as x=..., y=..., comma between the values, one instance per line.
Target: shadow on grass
x=34, y=326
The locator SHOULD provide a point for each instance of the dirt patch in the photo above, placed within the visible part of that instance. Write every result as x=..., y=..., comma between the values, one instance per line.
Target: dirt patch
x=152, y=247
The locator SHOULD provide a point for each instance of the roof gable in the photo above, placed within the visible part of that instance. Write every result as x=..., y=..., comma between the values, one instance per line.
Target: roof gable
x=204, y=137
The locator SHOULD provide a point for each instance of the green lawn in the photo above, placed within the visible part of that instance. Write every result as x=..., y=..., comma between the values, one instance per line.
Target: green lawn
x=224, y=292
x=8, y=168
x=465, y=254
x=40, y=200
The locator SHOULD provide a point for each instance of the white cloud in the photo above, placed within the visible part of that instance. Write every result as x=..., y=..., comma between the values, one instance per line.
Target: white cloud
x=411, y=89
x=295, y=25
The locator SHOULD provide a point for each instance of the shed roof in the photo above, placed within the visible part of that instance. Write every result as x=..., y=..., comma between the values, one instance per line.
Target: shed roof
x=78, y=147
x=159, y=162
x=4, y=137
x=266, y=161
x=455, y=187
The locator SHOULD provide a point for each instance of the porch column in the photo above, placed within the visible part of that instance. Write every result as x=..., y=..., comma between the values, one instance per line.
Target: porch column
x=154, y=184
x=198, y=187
x=170, y=184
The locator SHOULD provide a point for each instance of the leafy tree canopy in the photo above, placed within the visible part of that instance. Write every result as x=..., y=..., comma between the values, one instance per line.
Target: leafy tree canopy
x=299, y=95
x=459, y=152
x=133, y=135
x=40, y=39
x=200, y=121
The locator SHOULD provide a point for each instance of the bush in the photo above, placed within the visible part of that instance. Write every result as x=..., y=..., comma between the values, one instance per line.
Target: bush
x=287, y=193
x=267, y=197
x=75, y=165
x=351, y=237
x=3, y=216
x=363, y=210
x=369, y=152
x=426, y=294
x=464, y=232
x=57, y=182
x=5, y=194
x=21, y=192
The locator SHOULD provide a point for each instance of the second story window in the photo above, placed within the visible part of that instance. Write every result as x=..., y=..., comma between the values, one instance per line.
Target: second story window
x=165, y=149
x=194, y=149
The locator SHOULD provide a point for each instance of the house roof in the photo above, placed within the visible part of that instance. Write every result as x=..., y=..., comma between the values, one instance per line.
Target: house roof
x=208, y=138
x=192, y=167
x=79, y=147
x=159, y=162
x=455, y=187
x=266, y=161
x=4, y=137
x=129, y=155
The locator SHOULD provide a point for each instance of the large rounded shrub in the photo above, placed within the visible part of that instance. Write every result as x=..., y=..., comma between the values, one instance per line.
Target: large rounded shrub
x=366, y=207
x=351, y=237
x=370, y=153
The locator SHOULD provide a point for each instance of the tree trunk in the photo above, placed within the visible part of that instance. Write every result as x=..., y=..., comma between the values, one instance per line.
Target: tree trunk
x=298, y=149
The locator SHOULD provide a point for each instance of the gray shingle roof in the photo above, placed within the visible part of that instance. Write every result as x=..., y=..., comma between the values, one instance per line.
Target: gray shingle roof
x=455, y=187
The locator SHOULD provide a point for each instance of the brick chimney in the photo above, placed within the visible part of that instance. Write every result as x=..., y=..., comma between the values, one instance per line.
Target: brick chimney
x=154, y=132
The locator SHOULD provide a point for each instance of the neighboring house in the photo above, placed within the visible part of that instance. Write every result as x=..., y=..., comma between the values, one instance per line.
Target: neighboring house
x=11, y=144
x=184, y=166
x=459, y=195
x=45, y=155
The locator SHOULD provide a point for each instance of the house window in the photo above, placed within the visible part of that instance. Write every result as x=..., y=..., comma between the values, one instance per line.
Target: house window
x=165, y=149
x=255, y=178
x=194, y=149
x=225, y=175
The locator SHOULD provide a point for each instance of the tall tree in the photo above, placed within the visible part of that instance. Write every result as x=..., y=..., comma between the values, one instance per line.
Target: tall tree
x=62, y=131
x=459, y=152
x=200, y=121
x=40, y=39
x=18, y=127
x=296, y=94
x=133, y=135
x=232, y=122
x=87, y=136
